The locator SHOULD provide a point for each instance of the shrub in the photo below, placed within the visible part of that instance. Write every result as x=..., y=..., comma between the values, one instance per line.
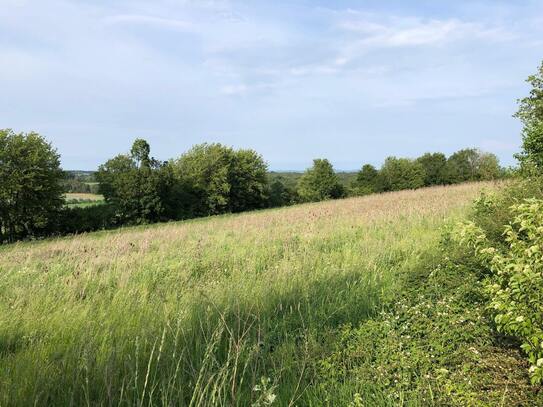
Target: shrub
x=515, y=285
x=73, y=220
x=494, y=210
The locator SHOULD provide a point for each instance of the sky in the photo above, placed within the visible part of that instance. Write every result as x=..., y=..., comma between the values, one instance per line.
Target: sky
x=351, y=81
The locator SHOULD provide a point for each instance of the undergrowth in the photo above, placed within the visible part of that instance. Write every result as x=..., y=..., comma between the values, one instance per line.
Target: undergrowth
x=435, y=346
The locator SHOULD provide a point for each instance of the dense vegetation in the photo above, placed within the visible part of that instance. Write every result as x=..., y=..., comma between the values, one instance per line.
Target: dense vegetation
x=83, y=182
x=30, y=185
x=209, y=179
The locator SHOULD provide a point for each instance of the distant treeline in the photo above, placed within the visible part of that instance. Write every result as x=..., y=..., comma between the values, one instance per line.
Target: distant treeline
x=209, y=179
x=80, y=182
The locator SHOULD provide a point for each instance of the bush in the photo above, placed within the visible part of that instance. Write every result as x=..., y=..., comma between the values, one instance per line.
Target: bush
x=515, y=284
x=494, y=210
x=85, y=219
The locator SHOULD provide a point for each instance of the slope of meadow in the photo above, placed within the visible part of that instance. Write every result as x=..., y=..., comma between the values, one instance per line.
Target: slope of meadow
x=226, y=310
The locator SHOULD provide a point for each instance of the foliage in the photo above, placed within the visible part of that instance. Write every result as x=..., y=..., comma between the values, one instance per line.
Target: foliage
x=471, y=165
x=136, y=185
x=212, y=179
x=367, y=181
x=30, y=185
x=281, y=193
x=488, y=167
x=515, y=285
x=434, y=346
x=89, y=218
x=77, y=186
x=401, y=173
x=531, y=114
x=320, y=183
x=434, y=168
x=219, y=179
x=492, y=210
x=248, y=181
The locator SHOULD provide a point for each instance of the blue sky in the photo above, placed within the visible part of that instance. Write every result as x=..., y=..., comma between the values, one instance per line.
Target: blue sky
x=352, y=81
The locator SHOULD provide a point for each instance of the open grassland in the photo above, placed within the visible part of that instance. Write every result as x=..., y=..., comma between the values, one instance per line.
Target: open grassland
x=81, y=199
x=198, y=312
x=83, y=196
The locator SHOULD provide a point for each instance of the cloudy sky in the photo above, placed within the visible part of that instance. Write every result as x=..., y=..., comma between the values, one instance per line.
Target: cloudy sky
x=352, y=81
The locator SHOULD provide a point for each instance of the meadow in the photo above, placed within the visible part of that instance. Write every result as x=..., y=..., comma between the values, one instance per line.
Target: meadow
x=229, y=310
x=82, y=199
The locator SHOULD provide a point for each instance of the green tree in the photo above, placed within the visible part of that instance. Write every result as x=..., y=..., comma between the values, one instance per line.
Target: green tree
x=434, y=167
x=31, y=192
x=281, y=194
x=320, y=182
x=220, y=179
x=248, y=178
x=530, y=112
x=140, y=153
x=462, y=166
x=137, y=185
x=488, y=167
x=471, y=164
x=401, y=173
x=367, y=181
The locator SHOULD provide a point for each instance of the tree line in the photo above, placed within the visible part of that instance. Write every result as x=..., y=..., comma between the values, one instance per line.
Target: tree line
x=209, y=179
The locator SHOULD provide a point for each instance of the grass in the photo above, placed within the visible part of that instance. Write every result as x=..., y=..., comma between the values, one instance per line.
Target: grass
x=231, y=310
x=83, y=196
x=80, y=199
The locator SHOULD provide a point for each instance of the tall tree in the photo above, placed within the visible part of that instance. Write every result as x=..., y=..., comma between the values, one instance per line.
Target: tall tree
x=366, y=181
x=488, y=167
x=320, y=182
x=401, y=173
x=434, y=167
x=136, y=185
x=31, y=192
x=248, y=177
x=140, y=153
x=281, y=194
x=471, y=164
x=220, y=179
x=462, y=166
x=530, y=112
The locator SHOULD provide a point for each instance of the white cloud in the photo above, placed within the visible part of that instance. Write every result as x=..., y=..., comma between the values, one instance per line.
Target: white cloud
x=378, y=31
x=244, y=68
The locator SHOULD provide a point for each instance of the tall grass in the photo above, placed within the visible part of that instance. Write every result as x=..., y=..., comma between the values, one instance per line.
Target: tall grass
x=230, y=310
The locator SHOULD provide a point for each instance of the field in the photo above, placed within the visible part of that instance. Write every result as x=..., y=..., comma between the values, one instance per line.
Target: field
x=83, y=199
x=230, y=310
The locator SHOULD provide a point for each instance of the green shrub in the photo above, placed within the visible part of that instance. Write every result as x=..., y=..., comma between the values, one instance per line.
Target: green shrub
x=79, y=219
x=515, y=284
x=493, y=210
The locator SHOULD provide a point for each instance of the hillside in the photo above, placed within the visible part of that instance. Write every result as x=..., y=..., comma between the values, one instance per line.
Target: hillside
x=235, y=309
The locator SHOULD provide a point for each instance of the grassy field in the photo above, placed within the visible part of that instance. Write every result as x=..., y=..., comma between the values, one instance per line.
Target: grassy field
x=83, y=199
x=229, y=310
